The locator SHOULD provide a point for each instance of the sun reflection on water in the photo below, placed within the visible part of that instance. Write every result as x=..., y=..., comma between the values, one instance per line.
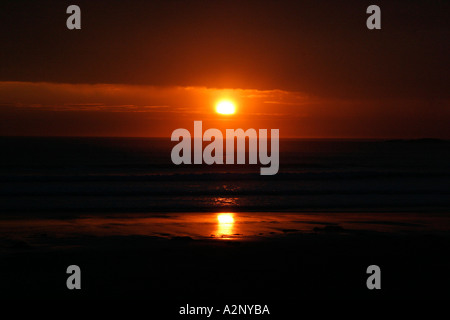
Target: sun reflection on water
x=225, y=225
x=225, y=201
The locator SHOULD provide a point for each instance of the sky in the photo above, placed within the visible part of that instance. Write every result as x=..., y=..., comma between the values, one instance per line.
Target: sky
x=145, y=68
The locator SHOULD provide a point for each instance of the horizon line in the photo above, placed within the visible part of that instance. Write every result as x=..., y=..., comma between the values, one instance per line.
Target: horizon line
x=281, y=138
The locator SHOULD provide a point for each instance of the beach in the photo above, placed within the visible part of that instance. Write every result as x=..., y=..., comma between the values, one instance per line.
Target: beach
x=139, y=227
x=224, y=158
x=192, y=257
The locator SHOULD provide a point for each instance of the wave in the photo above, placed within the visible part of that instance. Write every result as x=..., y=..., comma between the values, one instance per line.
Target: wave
x=222, y=176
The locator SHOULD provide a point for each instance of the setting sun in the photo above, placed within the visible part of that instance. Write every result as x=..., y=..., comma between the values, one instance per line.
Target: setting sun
x=225, y=218
x=225, y=107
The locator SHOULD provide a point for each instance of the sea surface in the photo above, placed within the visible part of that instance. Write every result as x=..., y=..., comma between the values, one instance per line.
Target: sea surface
x=142, y=227
x=62, y=175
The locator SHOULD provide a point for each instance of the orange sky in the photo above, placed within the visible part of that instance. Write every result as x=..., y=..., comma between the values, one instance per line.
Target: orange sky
x=145, y=68
x=137, y=110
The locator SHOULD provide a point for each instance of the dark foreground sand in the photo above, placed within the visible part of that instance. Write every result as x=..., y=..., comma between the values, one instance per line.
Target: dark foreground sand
x=259, y=257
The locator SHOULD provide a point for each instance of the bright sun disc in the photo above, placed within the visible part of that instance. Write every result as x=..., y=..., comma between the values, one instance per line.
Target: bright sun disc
x=225, y=107
x=225, y=218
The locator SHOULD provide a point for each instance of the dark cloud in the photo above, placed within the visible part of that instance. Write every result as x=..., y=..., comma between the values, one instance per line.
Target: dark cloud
x=322, y=48
x=310, y=68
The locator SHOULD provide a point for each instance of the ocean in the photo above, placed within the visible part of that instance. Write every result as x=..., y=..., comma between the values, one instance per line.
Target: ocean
x=61, y=175
x=141, y=227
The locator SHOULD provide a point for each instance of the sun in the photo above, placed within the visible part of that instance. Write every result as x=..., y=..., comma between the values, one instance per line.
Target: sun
x=225, y=218
x=225, y=107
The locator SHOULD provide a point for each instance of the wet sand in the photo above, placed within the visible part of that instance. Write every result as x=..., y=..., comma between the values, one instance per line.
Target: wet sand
x=265, y=256
x=242, y=226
